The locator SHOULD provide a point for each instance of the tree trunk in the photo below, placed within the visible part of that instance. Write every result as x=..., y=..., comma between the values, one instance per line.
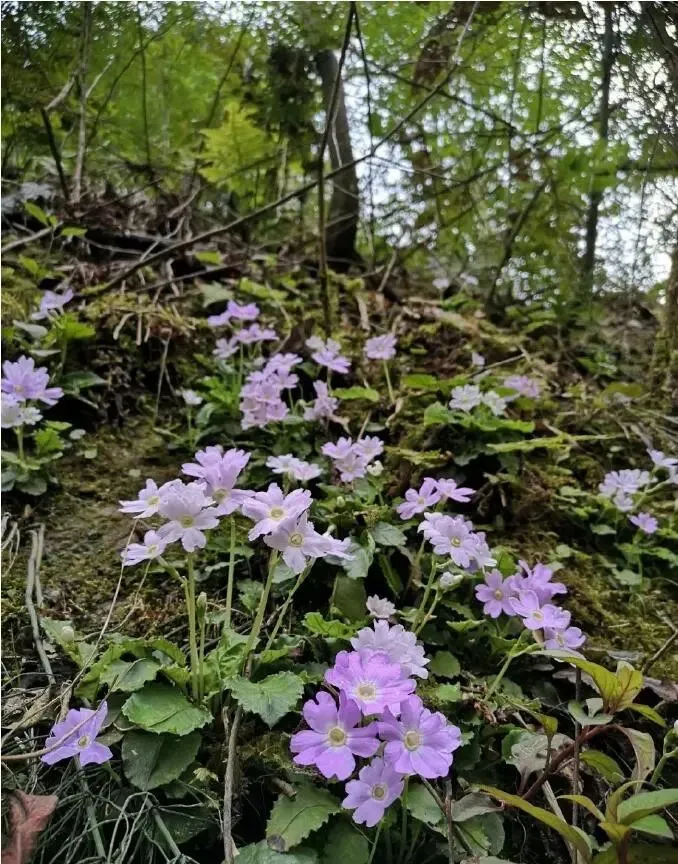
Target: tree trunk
x=342, y=221
x=596, y=196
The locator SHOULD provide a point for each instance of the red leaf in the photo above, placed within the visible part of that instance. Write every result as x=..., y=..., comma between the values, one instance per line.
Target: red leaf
x=29, y=815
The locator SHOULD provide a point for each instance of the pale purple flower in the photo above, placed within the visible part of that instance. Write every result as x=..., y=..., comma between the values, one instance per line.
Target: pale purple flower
x=255, y=333
x=298, y=541
x=305, y=471
x=370, y=680
x=418, y=501
x=377, y=787
x=659, y=460
x=147, y=502
x=24, y=381
x=324, y=406
x=537, y=616
x=261, y=397
x=282, y=362
x=152, y=547
x=315, y=343
x=537, y=579
x=625, y=482
x=623, y=502
x=76, y=736
x=450, y=580
x=282, y=464
x=496, y=594
x=380, y=608
x=381, y=347
x=52, y=302
x=328, y=354
x=269, y=509
x=191, y=398
x=220, y=479
x=563, y=640
x=523, y=385
x=419, y=741
x=350, y=463
x=369, y=447
x=449, y=490
x=335, y=738
x=190, y=513
x=482, y=554
x=210, y=457
x=244, y=312
x=477, y=360
x=399, y=645
x=495, y=402
x=16, y=413
x=645, y=521
x=450, y=535
x=465, y=398
x=226, y=348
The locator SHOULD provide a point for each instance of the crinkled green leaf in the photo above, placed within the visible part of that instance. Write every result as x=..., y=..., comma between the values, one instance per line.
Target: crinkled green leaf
x=444, y=665
x=385, y=534
x=271, y=698
x=152, y=760
x=319, y=626
x=129, y=676
x=163, y=708
x=293, y=819
x=261, y=853
x=643, y=803
x=345, y=844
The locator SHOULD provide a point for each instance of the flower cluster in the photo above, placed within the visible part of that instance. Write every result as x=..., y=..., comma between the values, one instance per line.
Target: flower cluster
x=377, y=711
x=234, y=312
x=381, y=347
x=352, y=458
x=523, y=386
x=431, y=493
x=627, y=488
x=455, y=537
x=469, y=396
x=21, y=384
x=328, y=354
x=325, y=405
x=295, y=469
x=261, y=396
x=527, y=594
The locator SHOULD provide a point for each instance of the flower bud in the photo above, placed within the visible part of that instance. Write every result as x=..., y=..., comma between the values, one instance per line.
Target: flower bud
x=68, y=634
x=201, y=606
x=450, y=580
x=376, y=469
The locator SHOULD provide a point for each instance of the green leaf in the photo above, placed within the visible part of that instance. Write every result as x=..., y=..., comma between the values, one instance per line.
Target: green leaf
x=644, y=751
x=208, y=256
x=447, y=693
x=72, y=231
x=421, y=804
x=357, y=567
x=261, y=853
x=472, y=805
x=639, y=853
x=293, y=819
x=527, y=751
x=36, y=212
x=605, y=681
x=585, y=802
x=420, y=458
x=602, y=763
x=271, y=698
x=437, y=415
x=69, y=640
x=629, y=684
x=585, y=718
x=162, y=708
x=557, y=442
x=130, y=676
x=345, y=845
x=388, y=535
x=646, y=711
x=444, y=665
x=654, y=825
x=319, y=626
x=74, y=382
x=349, y=598
x=641, y=805
x=566, y=831
x=152, y=760
x=420, y=382
x=347, y=394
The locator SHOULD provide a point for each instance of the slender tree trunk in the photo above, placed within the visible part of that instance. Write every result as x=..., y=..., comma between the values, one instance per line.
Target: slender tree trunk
x=82, y=88
x=589, y=260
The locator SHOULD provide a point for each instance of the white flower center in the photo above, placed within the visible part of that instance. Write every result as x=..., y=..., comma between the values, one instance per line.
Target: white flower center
x=153, y=549
x=455, y=541
x=219, y=495
x=153, y=500
x=379, y=791
x=537, y=615
x=83, y=742
x=412, y=740
x=366, y=691
x=276, y=513
x=498, y=594
x=336, y=736
x=296, y=539
x=187, y=521
x=421, y=499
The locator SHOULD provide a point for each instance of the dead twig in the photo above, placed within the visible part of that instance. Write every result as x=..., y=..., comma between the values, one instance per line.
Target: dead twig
x=33, y=588
x=227, y=820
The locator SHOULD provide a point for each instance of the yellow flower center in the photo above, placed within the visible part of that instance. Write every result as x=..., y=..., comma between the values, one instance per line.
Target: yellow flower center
x=412, y=740
x=336, y=736
x=153, y=549
x=379, y=791
x=276, y=513
x=366, y=691
x=537, y=615
x=498, y=594
x=83, y=742
x=153, y=500
x=296, y=539
x=187, y=521
x=218, y=495
x=455, y=541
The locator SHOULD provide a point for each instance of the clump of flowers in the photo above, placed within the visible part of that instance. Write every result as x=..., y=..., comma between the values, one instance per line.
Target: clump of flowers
x=328, y=354
x=261, y=399
x=382, y=348
x=324, y=406
x=378, y=711
x=293, y=468
x=234, y=312
x=469, y=396
x=523, y=385
x=352, y=458
x=629, y=488
x=431, y=493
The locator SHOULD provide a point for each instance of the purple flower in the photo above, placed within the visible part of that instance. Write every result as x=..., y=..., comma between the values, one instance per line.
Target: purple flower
x=496, y=594
x=220, y=472
x=419, y=742
x=152, y=547
x=76, y=736
x=245, y=312
x=52, y=302
x=190, y=513
x=148, y=500
x=465, y=398
x=369, y=447
x=16, y=413
x=324, y=406
x=212, y=457
x=255, y=333
x=377, y=787
x=523, y=385
x=23, y=381
x=645, y=521
x=565, y=640
x=450, y=535
x=538, y=617
x=261, y=397
x=380, y=608
x=381, y=347
x=350, y=463
x=419, y=501
x=477, y=360
x=623, y=502
x=449, y=490
x=328, y=354
x=537, y=579
x=292, y=467
x=495, y=402
x=269, y=509
x=335, y=738
x=226, y=348
x=282, y=363
x=370, y=680
x=399, y=645
x=191, y=398
x=659, y=460
x=625, y=482
x=298, y=541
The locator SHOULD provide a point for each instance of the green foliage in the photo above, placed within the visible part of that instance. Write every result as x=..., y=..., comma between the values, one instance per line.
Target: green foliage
x=161, y=708
x=153, y=760
x=294, y=819
x=271, y=698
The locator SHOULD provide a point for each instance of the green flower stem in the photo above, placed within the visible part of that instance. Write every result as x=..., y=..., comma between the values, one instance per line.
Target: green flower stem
x=286, y=605
x=259, y=617
x=20, y=441
x=231, y=569
x=389, y=387
x=403, y=824
x=189, y=421
x=189, y=588
x=424, y=599
x=513, y=653
x=170, y=569
x=201, y=657
x=376, y=842
x=427, y=617
x=91, y=814
x=657, y=773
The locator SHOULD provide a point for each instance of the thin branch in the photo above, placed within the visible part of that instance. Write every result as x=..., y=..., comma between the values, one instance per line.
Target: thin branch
x=33, y=588
x=227, y=823
x=82, y=87
x=56, y=155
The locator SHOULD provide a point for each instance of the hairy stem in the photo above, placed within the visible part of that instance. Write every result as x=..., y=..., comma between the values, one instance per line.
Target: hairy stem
x=388, y=383
x=189, y=588
x=259, y=617
x=231, y=570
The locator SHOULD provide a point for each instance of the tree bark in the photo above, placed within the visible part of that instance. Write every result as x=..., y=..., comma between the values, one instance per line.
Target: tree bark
x=342, y=223
x=83, y=92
